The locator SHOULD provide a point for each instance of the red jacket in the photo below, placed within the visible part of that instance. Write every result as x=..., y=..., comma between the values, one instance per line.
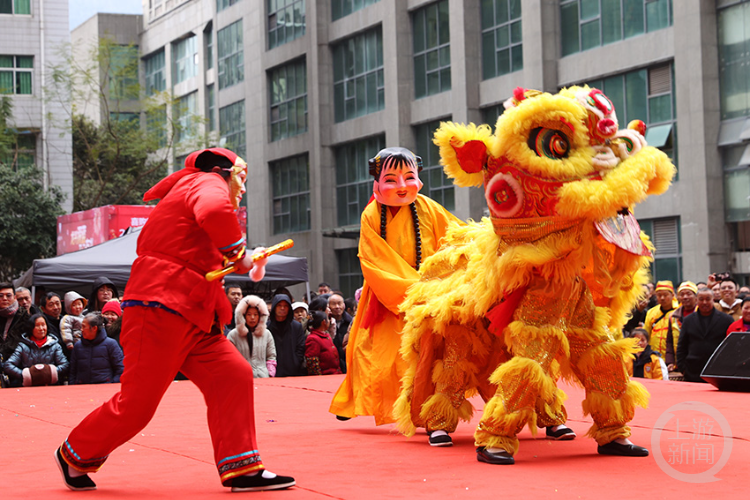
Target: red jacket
x=180, y=243
x=737, y=326
x=319, y=345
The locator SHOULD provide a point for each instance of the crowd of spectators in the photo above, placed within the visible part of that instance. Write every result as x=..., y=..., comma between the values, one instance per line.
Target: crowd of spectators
x=676, y=331
x=682, y=330
x=52, y=345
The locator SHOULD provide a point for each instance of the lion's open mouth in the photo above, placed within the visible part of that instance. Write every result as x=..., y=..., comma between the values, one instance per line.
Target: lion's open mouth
x=624, y=232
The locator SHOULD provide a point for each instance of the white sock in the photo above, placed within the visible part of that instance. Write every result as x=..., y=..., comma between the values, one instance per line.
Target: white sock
x=266, y=474
x=497, y=450
x=558, y=427
x=75, y=473
x=438, y=433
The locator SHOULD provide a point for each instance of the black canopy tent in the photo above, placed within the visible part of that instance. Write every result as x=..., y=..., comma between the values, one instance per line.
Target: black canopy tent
x=113, y=259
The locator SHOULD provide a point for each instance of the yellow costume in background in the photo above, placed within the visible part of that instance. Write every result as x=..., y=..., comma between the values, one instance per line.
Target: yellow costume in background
x=374, y=366
x=659, y=325
x=549, y=276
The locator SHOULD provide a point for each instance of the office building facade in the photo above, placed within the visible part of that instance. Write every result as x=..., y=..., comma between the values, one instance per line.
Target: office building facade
x=308, y=91
x=33, y=34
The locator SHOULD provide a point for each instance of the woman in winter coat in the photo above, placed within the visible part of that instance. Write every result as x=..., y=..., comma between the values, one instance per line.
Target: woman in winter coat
x=38, y=358
x=97, y=359
x=321, y=355
x=258, y=349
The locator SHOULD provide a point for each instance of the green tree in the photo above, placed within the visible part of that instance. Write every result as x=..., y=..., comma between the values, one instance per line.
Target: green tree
x=116, y=161
x=28, y=219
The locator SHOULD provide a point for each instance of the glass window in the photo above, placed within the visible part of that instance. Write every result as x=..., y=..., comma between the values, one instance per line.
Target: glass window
x=502, y=48
x=223, y=4
x=15, y=74
x=156, y=124
x=155, y=75
x=432, y=59
x=734, y=60
x=185, y=117
x=436, y=184
x=350, y=271
x=288, y=88
x=286, y=21
x=490, y=114
x=185, y=59
x=211, y=107
x=232, y=127
x=21, y=152
x=665, y=235
x=209, y=35
x=353, y=180
x=736, y=184
x=585, y=24
x=648, y=95
x=291, y=194
x=358, y=83
x=231, y=59
x=123, y=72
x=15, y=6
x=342, y=8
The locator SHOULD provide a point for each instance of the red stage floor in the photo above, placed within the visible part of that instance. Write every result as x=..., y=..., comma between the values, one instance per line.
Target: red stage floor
x=172, y=457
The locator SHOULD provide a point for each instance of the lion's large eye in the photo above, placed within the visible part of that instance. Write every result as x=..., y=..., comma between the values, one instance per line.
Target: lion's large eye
x=549, y=142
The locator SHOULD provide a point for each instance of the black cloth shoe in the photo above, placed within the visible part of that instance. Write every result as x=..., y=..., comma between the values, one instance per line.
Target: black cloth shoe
x=501, y=458
x=622, y=450
x=260, y=483
x=343, y=419
x=80, y=483
x=563, y=434
x=440, y=440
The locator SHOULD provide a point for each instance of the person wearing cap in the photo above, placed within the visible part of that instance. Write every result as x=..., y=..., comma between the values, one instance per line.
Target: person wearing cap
x=172, y=322
x=112, y=314
x=687, y=296
x=659, y=324
x=70, y=324
x=301, y=313
x=701, y=334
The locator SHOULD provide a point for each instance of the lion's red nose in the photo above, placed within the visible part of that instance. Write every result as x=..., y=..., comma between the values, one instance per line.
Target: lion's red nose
x=607, y=127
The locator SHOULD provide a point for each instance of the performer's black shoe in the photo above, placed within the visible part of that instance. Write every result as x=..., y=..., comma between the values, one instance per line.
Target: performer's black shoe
x=343, y=419
x=261, y=482
x=562, y=434
x=622, y=450
x=499, y=458
x=80, y=483
x=440, y=439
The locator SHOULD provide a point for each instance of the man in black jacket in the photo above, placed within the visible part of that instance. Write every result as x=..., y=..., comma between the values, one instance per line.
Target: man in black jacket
x=289, y=338
x=701, y=334
x=12, y=321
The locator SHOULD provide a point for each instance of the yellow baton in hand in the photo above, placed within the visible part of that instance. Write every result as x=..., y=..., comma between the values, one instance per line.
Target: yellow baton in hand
x=279, y=247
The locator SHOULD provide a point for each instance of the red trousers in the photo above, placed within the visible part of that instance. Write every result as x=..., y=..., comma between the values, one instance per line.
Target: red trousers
x=158, y=344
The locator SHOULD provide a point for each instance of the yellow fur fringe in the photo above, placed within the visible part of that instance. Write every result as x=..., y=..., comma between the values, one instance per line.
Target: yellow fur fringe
x=621, y=410
x=450, y=134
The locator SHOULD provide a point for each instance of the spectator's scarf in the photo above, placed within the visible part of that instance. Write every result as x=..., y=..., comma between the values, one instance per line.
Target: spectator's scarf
x=8, y=313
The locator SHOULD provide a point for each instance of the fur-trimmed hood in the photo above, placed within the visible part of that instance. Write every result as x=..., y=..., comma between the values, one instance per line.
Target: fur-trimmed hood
x=241, y=309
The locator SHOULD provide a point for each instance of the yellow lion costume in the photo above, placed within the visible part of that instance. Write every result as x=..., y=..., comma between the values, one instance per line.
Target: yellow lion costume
x=539, y=289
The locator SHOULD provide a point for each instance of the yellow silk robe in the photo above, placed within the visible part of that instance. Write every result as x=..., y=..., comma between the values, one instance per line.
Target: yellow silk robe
x=374, y=365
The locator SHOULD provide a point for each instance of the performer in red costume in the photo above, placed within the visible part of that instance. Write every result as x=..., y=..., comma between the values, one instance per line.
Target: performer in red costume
x=173, y=321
